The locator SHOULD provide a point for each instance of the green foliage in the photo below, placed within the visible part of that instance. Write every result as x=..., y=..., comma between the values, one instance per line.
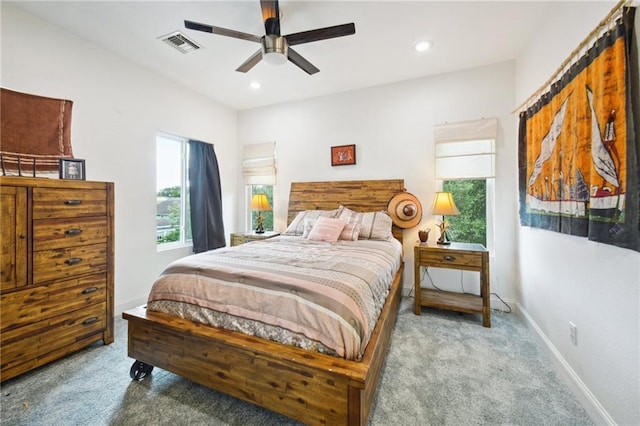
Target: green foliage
x=470, y=196
x=173, y=192
x=267, y=217
x=171, y=236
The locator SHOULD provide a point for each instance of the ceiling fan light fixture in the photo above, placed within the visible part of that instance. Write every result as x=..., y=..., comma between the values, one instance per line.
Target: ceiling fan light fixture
x=274, y=50
x=423, y=45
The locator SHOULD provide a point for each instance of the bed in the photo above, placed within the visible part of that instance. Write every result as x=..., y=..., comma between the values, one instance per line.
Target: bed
x=309, y=386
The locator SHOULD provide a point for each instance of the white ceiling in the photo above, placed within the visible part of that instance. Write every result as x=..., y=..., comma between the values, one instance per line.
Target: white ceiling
x=464, y=34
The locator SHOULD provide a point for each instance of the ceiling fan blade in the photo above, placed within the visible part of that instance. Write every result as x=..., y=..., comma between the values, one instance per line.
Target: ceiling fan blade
x=251, y=62
x=220, y=31
x=271, y=16
x=301, y=62
x=321, y=34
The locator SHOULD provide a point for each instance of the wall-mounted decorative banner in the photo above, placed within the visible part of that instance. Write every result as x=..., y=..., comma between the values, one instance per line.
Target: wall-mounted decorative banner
x=579, y=146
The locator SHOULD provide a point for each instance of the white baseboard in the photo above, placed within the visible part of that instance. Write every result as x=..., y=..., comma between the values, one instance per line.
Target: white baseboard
x=120, y=308
x=588, y=400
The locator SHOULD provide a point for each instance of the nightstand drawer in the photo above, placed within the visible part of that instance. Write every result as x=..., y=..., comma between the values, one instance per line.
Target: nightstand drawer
x=444, y=259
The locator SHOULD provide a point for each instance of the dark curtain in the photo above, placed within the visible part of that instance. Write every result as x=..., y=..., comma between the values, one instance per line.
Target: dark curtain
x=205, y=197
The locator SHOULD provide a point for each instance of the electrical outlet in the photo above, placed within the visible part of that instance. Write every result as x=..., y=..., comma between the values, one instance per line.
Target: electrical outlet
x=573, y=333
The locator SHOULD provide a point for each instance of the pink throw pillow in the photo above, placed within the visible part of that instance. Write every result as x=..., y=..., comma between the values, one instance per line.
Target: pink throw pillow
x=327, y=229
x=350, y=232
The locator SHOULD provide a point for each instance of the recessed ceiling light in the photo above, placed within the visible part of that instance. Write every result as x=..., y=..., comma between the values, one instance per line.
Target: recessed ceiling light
x=421, y=46
x=254, y=85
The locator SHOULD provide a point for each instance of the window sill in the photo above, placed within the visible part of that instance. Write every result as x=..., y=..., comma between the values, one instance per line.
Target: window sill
x=172, y=246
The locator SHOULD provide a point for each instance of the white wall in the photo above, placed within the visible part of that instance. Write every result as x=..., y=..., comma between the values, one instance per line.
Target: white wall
x=117, y=109
x=564, y=278
x=392, y=127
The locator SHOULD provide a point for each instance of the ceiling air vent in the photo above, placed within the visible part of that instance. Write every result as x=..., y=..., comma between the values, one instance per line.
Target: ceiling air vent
x=180, y=42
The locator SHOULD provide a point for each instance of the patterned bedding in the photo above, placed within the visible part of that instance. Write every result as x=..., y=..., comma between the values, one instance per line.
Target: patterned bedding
x=315, y=295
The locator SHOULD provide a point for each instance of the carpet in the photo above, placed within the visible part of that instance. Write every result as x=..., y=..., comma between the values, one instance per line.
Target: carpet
x=443, y=368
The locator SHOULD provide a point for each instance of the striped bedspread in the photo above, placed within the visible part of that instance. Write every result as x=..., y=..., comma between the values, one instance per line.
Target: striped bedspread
x=316, y=295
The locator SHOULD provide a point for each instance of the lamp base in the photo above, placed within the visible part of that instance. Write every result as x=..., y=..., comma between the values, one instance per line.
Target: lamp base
x=259, y=229
x=443, y=243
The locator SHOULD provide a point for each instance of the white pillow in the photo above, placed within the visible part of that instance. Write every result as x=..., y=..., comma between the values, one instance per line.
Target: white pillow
x=308, y=225
x=327, y=229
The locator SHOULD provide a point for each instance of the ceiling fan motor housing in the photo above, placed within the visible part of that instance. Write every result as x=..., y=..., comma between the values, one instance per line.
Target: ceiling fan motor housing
x=274, y=49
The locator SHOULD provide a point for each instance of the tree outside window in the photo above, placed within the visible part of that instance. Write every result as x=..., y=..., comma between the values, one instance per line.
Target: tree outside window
x=267, y=217
x=172, y=197
x=470, y=196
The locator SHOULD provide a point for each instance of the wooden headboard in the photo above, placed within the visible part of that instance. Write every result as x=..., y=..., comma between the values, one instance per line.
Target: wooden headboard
x=358, y=195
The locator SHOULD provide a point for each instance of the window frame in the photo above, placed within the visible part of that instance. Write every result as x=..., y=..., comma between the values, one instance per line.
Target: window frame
x=489, y=208
x=249, y=215
x=185, y=238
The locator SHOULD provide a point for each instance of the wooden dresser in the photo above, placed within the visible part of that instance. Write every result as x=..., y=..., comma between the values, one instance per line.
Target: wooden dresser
x=56, y=269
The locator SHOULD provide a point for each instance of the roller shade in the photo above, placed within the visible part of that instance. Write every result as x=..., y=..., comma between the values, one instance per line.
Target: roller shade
x=259, y=163
x=466, y=150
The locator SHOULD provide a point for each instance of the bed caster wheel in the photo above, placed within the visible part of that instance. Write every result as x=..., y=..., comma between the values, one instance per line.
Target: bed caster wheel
x=140, y=370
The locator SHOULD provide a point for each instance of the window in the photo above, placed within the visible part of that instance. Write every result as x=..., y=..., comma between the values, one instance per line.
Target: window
x=465, y=166
x=267, y=217
x=172, y=203
x=259, y=170
x=470, y=196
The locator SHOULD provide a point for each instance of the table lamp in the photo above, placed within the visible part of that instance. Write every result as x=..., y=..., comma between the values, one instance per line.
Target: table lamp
x=259, y=203
x=443, y=205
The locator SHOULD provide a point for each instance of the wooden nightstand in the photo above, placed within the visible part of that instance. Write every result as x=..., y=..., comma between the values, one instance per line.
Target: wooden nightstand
x=470, y=257
x=238, y=238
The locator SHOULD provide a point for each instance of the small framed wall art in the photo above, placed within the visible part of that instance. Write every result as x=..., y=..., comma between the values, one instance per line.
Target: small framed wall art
x=343, y=155
x=72, y=168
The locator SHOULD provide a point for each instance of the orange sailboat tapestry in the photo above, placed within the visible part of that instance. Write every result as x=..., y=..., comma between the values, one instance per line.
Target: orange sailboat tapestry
x=579, y=146
x=35, y=133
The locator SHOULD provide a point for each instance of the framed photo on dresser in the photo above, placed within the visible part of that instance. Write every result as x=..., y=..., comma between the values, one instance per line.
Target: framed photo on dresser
x=72, y=168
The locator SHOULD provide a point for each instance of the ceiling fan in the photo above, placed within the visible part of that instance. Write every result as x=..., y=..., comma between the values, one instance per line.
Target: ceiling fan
x=275, y=47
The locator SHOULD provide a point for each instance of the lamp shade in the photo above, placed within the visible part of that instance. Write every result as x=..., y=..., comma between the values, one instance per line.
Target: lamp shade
x=443, y=205
x=260, y=203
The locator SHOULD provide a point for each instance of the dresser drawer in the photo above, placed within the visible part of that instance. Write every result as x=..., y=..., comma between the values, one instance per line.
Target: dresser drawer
x=445, y=260
x=66, y=262
x=38, y=303
x=40, y=338
x=51, y=203
x=59, y=233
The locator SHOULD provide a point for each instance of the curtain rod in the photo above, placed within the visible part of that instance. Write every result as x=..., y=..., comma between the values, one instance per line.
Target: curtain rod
x=605, y=22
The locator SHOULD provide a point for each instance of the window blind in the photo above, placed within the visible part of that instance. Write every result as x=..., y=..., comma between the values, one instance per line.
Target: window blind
x=259, y=163
x=466, y=150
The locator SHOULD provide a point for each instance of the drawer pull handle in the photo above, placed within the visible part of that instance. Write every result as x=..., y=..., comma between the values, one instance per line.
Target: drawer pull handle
x=73, y=202
x=73, y=261
x=22, y=236
x=449, y=258
x=90, y=321
x=73, y=231
x=89, y=290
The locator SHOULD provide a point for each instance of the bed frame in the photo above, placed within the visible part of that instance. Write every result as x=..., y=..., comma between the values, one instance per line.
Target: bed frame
x=311, y=387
